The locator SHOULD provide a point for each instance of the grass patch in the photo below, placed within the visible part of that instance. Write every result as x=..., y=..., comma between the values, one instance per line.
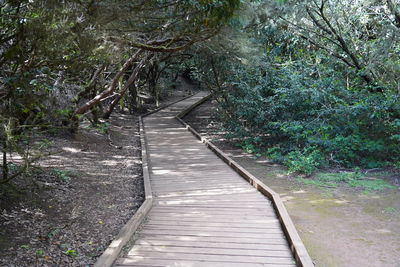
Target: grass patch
x=350, y=179
x=390, y=210
x=63, y=175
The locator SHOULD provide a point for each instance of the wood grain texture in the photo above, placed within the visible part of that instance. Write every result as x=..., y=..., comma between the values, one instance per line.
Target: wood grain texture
x=204, y=213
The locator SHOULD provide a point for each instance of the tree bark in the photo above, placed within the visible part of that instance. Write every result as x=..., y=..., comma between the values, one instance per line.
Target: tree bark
x=131, y=79
x=330, y=30
x=85, y=107
x=395, y=12
x=5, y=163
x=91, y=83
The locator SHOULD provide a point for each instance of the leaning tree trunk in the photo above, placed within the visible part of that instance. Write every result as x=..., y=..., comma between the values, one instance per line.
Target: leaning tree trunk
x=396, y=13
x=152, y=82
x=91, y=86
x=131, y=79
x=94, y=101
x=5, y=163
x=132, y=99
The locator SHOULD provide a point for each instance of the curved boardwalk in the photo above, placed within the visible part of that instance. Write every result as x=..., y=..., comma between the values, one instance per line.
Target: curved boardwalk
x=204, y=213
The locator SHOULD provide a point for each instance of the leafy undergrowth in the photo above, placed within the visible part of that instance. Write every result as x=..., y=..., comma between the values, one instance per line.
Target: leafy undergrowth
x=353, y=179
x=306, y=122
x=308, y=165
x=304, y=166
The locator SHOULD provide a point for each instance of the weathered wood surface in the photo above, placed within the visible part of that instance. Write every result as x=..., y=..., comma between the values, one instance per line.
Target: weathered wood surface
x=204, y=213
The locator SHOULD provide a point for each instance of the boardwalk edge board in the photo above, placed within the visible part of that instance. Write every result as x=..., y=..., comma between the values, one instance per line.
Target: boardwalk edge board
x=110, y=255
x=300, y=253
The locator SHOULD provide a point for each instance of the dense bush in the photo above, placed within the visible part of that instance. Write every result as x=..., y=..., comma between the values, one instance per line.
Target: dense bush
x=310, y=83
x=306, y=121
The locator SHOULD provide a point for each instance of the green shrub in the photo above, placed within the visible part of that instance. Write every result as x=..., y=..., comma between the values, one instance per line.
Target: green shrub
x=306, y=162
x=352, y=179
x=304, y=121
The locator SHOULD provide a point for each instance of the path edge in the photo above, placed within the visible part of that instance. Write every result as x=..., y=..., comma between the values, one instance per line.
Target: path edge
x=297, y=247
x=110, y=255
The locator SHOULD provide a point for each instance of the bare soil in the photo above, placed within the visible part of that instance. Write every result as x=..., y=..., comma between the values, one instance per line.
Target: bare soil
x=341, y=227
x=84, y=194
x=68, y=209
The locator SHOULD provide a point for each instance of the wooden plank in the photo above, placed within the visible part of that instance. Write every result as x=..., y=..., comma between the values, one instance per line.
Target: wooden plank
x=297, y=246
x=250, y=197
x=203, y=214
x=225, y=220
x=232, y=230
x=184, y=232
x=200, y=188
x=192, y=181
x=210, y=192
x=192, y=263
x=212, y=203
x=266, y=225
x=253, y=213
x=222, y=245
x=214, y=199
x=216, y=207
x=108, y=257
x=111, y=253
x=212, y=239
x=210, y=251
x=165, y=178
x=142, y=256
x=209, y=226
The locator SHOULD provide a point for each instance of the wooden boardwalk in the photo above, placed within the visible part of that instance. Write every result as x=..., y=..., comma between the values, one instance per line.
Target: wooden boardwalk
x=204, y=213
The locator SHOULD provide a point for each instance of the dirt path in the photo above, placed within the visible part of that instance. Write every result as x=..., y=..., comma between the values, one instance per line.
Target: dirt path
x=340, y=227
x=68, y=211
x=88, y=190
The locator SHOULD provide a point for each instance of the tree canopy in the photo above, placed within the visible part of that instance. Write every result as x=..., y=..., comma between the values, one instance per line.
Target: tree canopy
x=311, y=80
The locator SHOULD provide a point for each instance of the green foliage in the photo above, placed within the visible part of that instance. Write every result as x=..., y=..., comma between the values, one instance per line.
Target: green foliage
x=71, y=252
x=311, y=83
x=53, y=57
x=390, y=210
x=306, y=162
x=351, y=179
x=39, y=253
x=63, y=175
x=305, y=121
x=102, y=127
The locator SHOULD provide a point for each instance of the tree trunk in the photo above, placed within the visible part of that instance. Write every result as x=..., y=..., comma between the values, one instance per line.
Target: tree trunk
x=5, y=163
x=133, y=101
x=152, y=79
x=85, y=107
x=338, y=40
x=393, y=8
x=131, y=79
x=87, y=88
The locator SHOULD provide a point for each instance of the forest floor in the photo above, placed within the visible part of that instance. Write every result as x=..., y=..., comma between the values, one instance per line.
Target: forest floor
x=68, y=209
x=341, y=226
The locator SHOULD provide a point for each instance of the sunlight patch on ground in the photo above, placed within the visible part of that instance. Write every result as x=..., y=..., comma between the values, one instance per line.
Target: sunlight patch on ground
x=327, y=201
x=161, y=171
x=263, y=161
x=110, y=162
x=341, y=201
x=71, y=149
x=119, y=157
x=299, y=192
x=287, y=198
x=383, y=231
